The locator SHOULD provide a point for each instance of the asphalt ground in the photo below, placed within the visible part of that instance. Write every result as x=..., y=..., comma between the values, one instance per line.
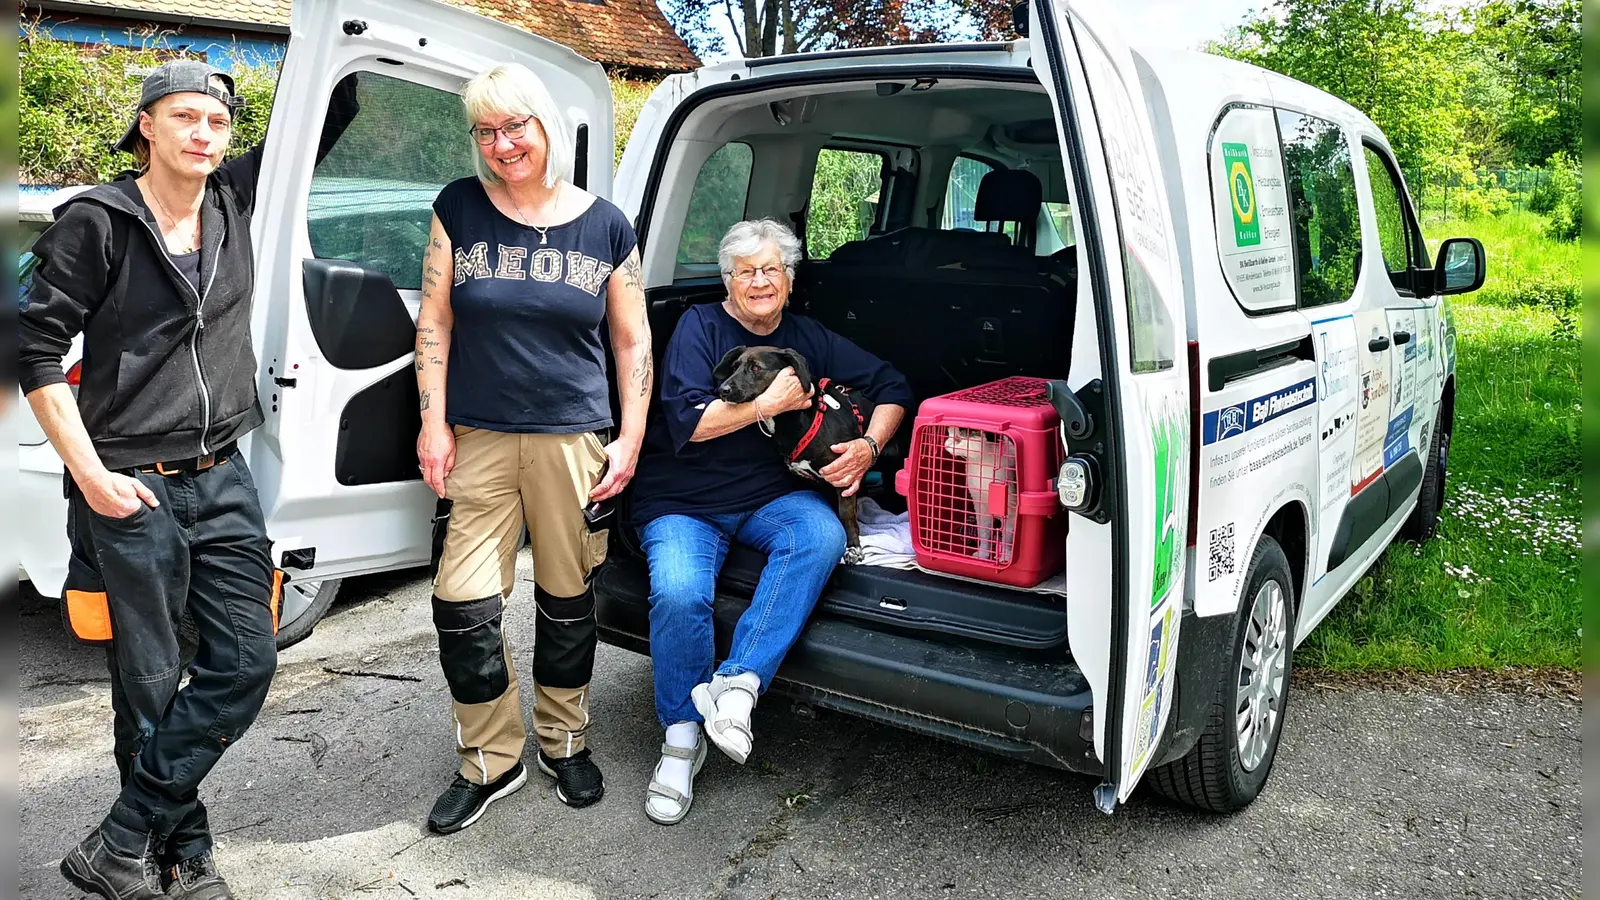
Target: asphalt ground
x=1395, y=791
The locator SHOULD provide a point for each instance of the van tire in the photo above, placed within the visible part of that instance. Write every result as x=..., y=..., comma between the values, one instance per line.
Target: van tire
x=1423, y=523
x=291, y=633
x=1212, y=775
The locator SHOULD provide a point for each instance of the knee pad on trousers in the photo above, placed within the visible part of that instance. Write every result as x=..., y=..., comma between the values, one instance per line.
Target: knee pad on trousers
x=564, y=639
x=472, y=649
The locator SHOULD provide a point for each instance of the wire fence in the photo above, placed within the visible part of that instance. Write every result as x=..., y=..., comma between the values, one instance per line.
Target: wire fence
x=1442, y=195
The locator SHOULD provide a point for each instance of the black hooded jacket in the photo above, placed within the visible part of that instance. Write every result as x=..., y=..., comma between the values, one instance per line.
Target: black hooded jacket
x=168, y=372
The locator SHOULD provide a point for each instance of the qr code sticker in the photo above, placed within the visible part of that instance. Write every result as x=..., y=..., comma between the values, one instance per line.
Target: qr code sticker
x=1221, y=552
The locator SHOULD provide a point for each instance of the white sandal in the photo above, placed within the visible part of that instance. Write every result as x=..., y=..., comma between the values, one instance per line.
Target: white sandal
x=667, y=792
x=732, y=735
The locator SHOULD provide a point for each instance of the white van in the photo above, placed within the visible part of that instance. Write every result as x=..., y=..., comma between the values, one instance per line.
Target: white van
x=1253, y=358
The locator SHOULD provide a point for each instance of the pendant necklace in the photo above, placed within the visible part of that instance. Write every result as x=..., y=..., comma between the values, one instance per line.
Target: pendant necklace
x=173, y=219
x=543, y=238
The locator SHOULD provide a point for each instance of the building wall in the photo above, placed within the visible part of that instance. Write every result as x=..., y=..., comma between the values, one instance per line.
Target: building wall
x=222, y=49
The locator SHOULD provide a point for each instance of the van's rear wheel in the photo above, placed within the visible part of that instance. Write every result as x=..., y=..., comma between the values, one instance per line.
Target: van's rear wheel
x=1424, y=521
x=1228, y=766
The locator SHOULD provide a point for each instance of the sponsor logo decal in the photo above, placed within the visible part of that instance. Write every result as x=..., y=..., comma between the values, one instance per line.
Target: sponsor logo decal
x=1224, y=423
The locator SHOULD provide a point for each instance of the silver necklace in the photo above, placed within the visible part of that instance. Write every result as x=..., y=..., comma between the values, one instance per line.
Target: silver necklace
x=188, y=248
x=543, y=238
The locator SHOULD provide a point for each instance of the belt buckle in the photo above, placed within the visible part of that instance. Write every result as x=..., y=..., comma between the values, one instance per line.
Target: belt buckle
x=161, y=469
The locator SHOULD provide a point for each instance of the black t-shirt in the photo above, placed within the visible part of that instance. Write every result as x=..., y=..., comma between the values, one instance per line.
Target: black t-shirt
x=525, y=351
x=188, y=266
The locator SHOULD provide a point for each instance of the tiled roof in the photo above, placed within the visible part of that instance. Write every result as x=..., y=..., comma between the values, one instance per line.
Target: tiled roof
x=260, y=12
x=614, y=32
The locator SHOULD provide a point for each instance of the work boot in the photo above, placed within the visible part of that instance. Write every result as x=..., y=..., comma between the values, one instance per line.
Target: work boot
x=578, y=781
x=464, y=802
x=196, y=878
x=95, y=867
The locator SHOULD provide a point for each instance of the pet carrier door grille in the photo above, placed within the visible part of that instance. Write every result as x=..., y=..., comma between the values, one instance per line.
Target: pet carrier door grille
x=966, y=486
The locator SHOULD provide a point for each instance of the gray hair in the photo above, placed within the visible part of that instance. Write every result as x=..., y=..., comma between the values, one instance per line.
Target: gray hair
x=749, y=237
x=511, y=89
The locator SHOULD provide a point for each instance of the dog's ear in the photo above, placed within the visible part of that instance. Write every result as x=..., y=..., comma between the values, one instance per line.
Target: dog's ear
x=794, y=360
x=725, y=368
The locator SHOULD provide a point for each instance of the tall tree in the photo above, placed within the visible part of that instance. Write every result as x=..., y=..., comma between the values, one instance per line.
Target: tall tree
x=1389, y=58
x=771, y=27
x=1537, y=46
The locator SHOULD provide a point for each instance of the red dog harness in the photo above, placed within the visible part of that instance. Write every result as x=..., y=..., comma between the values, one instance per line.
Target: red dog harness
x=841, y=398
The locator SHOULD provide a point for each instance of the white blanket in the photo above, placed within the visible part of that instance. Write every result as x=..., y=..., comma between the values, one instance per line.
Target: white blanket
x=885, y=536
x=886, y=541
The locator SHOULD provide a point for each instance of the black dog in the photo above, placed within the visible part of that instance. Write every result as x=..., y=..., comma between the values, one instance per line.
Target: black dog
x=805, y=437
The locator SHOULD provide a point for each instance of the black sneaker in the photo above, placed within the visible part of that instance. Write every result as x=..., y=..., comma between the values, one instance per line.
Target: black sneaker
x=463, y=802
x=95, y=868
x=578, y=780
x=196, y=878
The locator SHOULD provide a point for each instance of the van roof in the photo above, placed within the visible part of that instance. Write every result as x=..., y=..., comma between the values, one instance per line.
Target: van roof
x=1204, y=83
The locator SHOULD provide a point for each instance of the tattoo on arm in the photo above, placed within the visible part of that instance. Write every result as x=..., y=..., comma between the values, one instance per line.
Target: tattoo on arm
x=643, y=372
x=632, y=272
x=427, y=399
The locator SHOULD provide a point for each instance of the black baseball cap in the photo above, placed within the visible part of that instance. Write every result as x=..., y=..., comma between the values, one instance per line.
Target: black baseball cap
x=180, y=76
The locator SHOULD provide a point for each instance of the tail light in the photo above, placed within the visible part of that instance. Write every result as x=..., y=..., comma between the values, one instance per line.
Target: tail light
x=75, y=374
x=1194, y=440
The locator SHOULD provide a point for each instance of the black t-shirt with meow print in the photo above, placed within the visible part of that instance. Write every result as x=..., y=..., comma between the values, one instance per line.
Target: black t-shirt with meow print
x=525, y=351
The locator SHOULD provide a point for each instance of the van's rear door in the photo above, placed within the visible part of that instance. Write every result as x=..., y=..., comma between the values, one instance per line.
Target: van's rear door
x=339, y=261
x=1125, y=637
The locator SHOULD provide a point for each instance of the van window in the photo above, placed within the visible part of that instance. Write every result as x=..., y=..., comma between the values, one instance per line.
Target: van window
x=1401, y=245
x=1322, y=189
x=716, y=204
x=961, y=194
x=844, y=199
x=372, y=196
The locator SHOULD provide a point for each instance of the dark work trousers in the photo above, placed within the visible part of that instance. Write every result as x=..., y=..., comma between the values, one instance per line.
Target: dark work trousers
x=204, y=549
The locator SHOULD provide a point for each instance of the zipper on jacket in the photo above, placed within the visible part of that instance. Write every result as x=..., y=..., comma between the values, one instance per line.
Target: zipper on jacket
x=194, y=338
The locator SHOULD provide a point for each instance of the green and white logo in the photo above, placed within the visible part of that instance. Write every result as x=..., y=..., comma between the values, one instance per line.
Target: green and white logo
x=1242, y=192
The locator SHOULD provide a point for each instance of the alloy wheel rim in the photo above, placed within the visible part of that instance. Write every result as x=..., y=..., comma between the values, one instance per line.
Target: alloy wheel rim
x=1263, y=671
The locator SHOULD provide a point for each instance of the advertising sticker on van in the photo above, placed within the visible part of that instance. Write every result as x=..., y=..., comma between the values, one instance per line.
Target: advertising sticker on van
x=1221, y=424
x=1251, y=205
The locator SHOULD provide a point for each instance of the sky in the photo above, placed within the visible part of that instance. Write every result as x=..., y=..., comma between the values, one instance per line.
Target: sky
x=1184, y=24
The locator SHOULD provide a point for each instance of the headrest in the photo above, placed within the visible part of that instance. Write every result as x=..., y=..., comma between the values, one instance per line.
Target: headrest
x=1008, y=195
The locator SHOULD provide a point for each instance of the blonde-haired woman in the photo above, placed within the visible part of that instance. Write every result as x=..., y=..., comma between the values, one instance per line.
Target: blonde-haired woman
x=522, y=269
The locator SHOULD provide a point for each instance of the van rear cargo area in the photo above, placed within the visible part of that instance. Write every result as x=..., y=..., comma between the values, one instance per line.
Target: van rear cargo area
x=1032, y=704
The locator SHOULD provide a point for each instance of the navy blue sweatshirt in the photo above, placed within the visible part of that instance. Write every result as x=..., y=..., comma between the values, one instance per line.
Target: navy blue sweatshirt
x=741, y=471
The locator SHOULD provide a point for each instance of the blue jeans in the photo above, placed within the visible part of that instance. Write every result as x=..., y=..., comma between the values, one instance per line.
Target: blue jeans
x=803, y=540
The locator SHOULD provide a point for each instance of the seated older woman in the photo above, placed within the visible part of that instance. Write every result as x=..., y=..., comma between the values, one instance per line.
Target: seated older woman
x=707, y=476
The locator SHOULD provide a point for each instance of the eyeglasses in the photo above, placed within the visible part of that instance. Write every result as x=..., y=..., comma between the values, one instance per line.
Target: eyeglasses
x=747, y=275
x=512, y=130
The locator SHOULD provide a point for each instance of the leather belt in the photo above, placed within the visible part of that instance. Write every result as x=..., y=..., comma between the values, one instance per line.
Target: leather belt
x=191, y=465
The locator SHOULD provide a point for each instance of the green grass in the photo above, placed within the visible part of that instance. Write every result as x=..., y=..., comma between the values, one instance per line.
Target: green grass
x=1524, y=266
x=1499, y=586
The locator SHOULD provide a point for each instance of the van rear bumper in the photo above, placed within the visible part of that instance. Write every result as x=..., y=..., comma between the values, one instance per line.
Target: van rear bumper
x=992, y=698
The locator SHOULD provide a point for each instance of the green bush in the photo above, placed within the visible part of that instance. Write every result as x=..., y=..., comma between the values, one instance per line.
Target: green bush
x=1560, y=198
x=1566, y=220
x=1563, y=179
x=75, y=105
x=1551, y=295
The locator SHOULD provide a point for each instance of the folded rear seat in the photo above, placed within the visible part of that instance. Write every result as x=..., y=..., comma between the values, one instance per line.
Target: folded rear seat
x=951, y=309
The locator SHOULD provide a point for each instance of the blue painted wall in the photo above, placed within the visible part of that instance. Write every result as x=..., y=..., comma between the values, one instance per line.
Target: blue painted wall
x=224, y=53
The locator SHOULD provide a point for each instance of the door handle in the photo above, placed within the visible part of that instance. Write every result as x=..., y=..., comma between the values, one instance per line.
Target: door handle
x=1378, y=344
x=1402, y=337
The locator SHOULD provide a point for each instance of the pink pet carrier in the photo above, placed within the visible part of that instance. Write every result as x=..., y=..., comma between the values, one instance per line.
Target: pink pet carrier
x=978, y=483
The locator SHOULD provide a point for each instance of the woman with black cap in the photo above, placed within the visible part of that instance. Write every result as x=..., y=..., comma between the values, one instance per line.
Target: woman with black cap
x=155, y=270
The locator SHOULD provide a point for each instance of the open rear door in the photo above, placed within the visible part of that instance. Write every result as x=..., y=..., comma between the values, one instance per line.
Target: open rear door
x=339, y=245
x=1126, y=638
